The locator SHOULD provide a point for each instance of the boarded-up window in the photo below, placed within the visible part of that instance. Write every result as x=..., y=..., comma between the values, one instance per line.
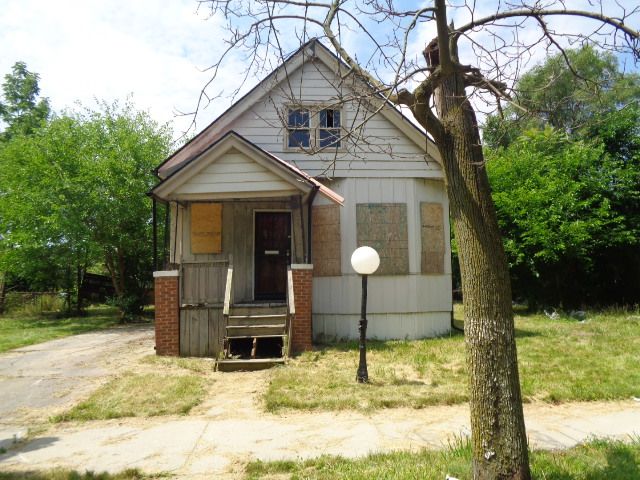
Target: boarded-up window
x=383, y=226
x=432, y=234
x=206, y=228
x=325, y=240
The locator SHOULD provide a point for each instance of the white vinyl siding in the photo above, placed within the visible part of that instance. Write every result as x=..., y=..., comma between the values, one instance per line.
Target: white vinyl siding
x=378, y=150
x=234, y=172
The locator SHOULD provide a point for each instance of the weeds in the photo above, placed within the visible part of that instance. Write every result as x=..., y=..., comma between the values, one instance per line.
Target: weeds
x=560, y=360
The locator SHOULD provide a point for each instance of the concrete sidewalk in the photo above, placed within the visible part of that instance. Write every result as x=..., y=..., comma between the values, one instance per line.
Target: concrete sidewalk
x=213, y=444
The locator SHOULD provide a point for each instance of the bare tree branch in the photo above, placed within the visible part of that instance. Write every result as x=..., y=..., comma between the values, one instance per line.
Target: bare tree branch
x=633, y=35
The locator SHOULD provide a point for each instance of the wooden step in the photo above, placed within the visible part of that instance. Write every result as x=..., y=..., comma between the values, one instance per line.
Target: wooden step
x=266, y=309
x=247, y=365
x=235, y=336
x=255, y=330
x=251, y=320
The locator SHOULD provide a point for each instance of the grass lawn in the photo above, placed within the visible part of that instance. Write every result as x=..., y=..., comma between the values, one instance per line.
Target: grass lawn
x=140, y=395
x=62, y=474
x=19, y=329
x=560, y=361
x=597, y=460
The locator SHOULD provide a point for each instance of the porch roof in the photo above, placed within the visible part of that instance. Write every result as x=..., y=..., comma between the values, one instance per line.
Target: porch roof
x=263, y=175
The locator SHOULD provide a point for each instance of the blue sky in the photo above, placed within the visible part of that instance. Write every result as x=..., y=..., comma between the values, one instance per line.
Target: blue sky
x=155, y=50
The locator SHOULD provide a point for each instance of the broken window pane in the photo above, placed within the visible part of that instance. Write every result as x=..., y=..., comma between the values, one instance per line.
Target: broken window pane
x=329, y=128
x=298, y=133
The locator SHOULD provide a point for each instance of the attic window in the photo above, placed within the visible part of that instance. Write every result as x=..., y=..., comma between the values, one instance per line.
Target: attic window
x=298, y=128
x=329, y=128
x=313, y=127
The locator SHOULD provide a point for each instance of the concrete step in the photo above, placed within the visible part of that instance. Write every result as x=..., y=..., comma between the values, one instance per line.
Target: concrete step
x=271, y=330
x=247, y=365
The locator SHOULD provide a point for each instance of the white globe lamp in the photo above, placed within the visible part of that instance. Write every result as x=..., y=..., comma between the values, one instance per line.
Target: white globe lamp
x=365, y=260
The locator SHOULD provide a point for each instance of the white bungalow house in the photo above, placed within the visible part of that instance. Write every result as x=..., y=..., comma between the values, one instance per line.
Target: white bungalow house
x=268, y=203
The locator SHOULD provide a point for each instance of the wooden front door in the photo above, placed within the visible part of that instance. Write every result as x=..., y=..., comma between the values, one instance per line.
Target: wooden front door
x=272, y=254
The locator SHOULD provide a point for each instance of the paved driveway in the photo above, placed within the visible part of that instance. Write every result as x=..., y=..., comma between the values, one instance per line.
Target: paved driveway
x=39, y=380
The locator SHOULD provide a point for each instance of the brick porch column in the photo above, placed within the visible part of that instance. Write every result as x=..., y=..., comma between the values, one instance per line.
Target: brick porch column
x=302, y=287
x=167, y=312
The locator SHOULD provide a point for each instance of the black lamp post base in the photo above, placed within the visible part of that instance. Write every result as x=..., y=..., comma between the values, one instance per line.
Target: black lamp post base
x=362, y=376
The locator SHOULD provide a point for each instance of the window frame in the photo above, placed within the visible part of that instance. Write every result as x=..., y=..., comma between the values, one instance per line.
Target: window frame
x=314, y=110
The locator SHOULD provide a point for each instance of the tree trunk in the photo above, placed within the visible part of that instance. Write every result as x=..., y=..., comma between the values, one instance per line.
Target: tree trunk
x=113, y=273
x=497, y=421
x=79, y=278
x=3, y=285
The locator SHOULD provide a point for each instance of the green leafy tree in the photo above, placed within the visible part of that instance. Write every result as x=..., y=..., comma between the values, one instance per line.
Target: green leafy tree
x=47, y=237
x=124, y=146
x=564, y=210
x=571, y=91
x=22, y=113
x=73, y=197
x=21, y=110
x=593, y=162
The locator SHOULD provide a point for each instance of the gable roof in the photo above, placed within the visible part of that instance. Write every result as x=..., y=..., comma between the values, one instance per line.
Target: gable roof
x=290, y=176
x=313, y=49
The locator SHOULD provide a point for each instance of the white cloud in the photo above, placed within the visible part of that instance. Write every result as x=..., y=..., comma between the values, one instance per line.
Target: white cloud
x=109, y=49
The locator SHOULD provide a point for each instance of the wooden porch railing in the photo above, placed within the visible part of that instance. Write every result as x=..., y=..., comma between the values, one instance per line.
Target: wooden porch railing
x=228, y=291
x=226, y=307
x=202, y=284
x=291, y=309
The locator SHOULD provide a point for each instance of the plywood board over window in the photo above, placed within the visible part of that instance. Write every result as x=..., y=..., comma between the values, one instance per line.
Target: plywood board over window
x=325, y=240
x=383, y=226
x=432, y=234
x=206, y=228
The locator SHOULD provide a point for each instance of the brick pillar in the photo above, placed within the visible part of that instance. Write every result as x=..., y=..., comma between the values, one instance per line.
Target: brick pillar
x=302, y=287
x=167, y=313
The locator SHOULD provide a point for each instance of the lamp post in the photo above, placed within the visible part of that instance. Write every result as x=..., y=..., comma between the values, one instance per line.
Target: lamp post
x=365, y=261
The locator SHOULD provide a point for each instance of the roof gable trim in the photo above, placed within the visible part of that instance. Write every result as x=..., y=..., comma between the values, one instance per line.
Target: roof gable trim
x=298, y=179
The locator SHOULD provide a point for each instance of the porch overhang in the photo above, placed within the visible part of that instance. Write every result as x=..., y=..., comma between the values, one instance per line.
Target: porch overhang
x=235, y=168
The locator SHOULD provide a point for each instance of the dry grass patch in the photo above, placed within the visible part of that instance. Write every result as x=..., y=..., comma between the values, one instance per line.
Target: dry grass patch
x=160, y=386
x=140, y=395
x=203, y=366
x=63, y=474
x=401, y=373
x=561, y=360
